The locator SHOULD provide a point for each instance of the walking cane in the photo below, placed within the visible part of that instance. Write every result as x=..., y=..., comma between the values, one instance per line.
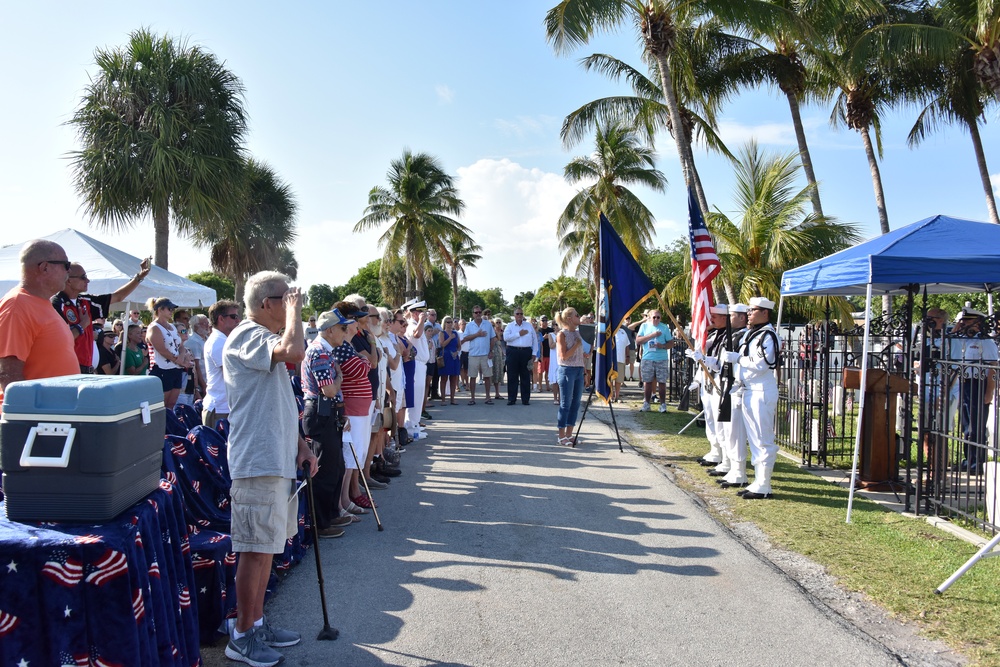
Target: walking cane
x=327, y=633
x=361, y=474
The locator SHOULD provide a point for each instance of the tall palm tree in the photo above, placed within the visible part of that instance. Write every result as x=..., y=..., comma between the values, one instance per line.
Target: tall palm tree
x=256, y=237
x=957, y=96
x=161, y=125
x=958, y=41
x=559, y=293
x=417, y=206
x=574, y=22
x=774, y=231
x=619, y=161
x=457, y=253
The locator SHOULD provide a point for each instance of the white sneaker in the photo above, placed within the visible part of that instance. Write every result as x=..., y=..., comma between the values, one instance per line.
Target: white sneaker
x=663, y=407
x=420, y=435
x=645, y=407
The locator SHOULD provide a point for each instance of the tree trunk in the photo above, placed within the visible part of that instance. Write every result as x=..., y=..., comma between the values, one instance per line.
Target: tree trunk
x=807, y=167
x=883, y=216
x=984, y=172
x=161, y=236
x=454, y=291
x=240, y=287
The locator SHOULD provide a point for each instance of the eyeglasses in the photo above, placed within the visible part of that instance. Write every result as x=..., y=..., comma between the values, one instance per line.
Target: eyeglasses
x=233, y=316
x=655, y=317
x=477, y=312
x=400, y=321
x=374, y=315
x=65, y=263
x=80, y=277
x=754, y=310
x=279, y=297
x=519, y=314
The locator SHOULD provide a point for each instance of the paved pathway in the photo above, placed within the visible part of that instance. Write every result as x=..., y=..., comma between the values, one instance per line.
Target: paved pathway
x=502, y=548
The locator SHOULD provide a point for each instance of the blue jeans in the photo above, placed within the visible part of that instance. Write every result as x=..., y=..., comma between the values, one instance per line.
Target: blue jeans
x=570, y=380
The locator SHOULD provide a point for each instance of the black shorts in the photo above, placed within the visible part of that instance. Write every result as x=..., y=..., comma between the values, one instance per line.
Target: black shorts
x=463, y=361
x=169, y=377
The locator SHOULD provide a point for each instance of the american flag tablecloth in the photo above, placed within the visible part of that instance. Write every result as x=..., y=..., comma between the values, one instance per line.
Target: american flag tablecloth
x=118, y=593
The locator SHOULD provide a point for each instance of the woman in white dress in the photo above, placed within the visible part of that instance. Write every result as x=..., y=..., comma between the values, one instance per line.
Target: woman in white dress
x=553, y=361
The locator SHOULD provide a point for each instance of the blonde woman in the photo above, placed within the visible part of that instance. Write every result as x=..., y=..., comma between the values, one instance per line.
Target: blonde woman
x=569, y=347
x=450, y=352
x=169, y=358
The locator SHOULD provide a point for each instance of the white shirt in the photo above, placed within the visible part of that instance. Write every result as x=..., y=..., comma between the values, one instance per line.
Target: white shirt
x=216, y=398
x=464, y=343
x=512, y=334
x=419, y=342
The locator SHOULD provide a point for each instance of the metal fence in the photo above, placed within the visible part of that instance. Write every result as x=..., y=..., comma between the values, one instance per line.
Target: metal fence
x=940, y=427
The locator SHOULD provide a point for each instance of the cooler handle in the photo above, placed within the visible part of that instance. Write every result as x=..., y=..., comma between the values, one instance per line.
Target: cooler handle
x=144, y=411
x=46, y=429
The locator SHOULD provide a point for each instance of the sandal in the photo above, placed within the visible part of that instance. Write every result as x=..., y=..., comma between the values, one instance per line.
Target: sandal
x=488, y=401
x=354, y=509
x=471, y=403
x=363, y=502
x=454, y=402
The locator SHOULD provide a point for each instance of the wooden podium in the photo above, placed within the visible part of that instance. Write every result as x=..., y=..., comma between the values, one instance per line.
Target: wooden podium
x=879, y=464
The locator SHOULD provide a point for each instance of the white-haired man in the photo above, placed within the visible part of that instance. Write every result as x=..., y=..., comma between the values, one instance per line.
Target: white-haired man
x=265, y=448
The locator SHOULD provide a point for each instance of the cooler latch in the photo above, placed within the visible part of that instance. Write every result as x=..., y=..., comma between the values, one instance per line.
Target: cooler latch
x=144, y=411
x=48, y=430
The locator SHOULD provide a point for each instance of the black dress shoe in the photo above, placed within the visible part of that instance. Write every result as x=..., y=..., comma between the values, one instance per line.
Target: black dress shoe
x=750, y=495
x=732, y=485
x=525, y=403
x=741, y=492
x=511, y=402
x=718, y=473
x=705, y=464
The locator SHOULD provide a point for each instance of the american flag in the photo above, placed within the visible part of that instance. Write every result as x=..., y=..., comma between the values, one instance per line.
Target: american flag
x=704, y=266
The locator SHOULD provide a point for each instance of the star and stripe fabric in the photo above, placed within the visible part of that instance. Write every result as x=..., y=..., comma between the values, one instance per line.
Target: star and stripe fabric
x=704, y=267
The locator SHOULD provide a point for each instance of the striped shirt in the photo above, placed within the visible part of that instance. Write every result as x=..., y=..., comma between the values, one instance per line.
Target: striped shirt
x=356, y=388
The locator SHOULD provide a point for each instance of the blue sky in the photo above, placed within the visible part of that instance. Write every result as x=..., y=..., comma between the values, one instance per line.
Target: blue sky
x=337, y=90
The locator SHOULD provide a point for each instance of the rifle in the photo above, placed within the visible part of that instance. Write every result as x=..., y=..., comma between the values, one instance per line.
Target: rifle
x=726, y=406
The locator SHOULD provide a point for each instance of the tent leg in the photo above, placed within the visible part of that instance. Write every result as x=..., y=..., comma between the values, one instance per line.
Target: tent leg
x=864, y=383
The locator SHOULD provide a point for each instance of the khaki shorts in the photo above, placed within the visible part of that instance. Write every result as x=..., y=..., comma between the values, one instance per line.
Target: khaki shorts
x=264, y=514
x=478, y=366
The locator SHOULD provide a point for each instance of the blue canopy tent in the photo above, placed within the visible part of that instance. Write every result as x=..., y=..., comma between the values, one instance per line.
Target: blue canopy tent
x=944, y=255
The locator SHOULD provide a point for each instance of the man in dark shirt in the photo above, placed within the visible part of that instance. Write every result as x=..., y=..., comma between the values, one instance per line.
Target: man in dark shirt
x=79, y=309
x=543, y=363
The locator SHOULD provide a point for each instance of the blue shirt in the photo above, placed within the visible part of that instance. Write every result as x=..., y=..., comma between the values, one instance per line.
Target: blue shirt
x=648, y=352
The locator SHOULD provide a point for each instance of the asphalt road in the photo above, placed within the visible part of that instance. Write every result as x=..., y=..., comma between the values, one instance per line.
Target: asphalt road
x=502, y=548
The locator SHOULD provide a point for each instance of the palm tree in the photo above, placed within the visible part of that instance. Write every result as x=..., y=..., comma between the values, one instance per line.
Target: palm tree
x=417, y=205
x=957, y=96
x=958, y=45
x=774, y=232
x=162, y=126
x=559, y=293
x=574, y=22
x=618, y=161
x=257, y=238
x=457, y=253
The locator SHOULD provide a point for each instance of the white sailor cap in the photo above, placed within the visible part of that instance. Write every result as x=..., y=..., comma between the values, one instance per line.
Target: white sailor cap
x=968, y=312
x=738, y=308
x=720, y=309
x=407, y=305
x=417, y=305
x=761, y=302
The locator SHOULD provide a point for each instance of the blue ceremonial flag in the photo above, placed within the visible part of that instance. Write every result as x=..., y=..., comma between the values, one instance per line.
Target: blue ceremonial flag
x=623, y=287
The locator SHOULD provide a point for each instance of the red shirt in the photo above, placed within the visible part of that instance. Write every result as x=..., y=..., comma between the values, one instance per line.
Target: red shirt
x=73, y=314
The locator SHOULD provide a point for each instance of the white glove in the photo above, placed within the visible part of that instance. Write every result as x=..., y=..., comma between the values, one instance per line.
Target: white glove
x=691, y=353
x=694, y=386
x=712, y=364
x=731, y=357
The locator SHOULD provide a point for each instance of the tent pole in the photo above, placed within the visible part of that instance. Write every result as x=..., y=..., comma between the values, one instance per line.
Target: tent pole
x=861, y=401
x=777, y=328
x=121, y=362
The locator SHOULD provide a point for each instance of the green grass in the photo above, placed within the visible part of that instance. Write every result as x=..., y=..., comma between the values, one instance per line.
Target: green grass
x=897, y=561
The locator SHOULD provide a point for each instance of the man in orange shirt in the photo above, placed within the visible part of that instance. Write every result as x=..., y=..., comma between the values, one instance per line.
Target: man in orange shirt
x=34, y=341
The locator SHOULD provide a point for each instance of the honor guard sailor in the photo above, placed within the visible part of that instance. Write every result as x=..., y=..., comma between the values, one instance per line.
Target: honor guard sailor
x=707, y=378
x=733, y=433
x=756, y=392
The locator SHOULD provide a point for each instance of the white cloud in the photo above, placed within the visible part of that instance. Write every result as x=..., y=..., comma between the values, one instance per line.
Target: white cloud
x=512, y=212
x=445, y=94
x=995, y=180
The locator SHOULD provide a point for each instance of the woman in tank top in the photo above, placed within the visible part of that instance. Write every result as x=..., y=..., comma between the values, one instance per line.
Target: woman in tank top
x=569, y=345
x=166, y=350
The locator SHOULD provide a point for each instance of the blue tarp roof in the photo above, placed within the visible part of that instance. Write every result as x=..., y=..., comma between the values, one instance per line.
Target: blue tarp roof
x=948, y=255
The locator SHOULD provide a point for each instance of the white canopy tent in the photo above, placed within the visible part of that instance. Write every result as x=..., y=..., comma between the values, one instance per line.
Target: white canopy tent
x=108, y=269
x=944, y=255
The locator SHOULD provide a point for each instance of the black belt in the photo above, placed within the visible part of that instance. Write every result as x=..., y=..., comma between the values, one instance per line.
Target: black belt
x=520, y=347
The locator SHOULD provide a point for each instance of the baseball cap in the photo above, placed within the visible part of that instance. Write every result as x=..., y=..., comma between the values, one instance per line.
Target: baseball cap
x=330, y=318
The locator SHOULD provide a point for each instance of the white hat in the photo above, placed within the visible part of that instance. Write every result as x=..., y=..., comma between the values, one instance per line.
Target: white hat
x=738, y=308
x=968, y=312
x=416, y=305
x=720, y=309
x=761, y=302
x=407, y=305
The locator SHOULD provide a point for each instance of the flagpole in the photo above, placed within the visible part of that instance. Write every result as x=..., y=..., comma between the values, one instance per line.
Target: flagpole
x=687, y=341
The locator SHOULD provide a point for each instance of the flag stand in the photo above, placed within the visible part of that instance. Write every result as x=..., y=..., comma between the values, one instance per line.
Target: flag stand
x=590, y=397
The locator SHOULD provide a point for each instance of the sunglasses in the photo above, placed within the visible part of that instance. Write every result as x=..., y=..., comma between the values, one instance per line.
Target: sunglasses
x=656, y=317
x=233, y=316
x=82, y=277
x=63, y=263
x=477, y=312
